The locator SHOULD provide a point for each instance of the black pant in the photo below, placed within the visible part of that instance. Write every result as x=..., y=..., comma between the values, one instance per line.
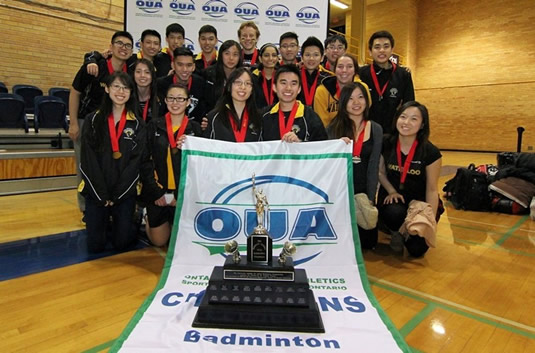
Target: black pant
x=368, y=238
x=97, y=217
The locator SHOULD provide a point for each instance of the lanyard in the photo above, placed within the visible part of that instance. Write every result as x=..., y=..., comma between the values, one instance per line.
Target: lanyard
x=337, y=90
x=408, y=161
x=268, y=94
x=169, y=127
x=285, y=128
x=255, y=55
x=309, y=93
x=110, y=67
x=357, y=147
x=115, y=135
x=239, y=135
x=380, y=91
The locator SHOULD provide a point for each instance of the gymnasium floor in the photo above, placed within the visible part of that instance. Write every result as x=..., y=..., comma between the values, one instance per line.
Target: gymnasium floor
x=473, y=293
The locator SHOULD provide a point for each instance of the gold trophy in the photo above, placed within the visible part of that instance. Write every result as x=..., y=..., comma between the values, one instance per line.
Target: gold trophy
x=259, y=243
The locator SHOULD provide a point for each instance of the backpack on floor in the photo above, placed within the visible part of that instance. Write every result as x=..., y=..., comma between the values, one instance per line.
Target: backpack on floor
x=468, y=190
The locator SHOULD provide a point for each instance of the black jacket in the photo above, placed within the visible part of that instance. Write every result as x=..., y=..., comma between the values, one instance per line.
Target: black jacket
x=218, y=130
x=197, y=108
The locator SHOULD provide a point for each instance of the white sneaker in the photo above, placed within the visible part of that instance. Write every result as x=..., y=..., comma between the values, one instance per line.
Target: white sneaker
x=396, y=242
x=144, y=216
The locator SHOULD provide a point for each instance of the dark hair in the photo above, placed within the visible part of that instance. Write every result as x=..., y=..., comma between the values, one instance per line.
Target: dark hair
x=249, y=24
x=287, y=35
x=175, y=28
x=423, y=134
x=207, y=29
x=96, y=136
x=312, y=42
x=225, y=104
x=219, y=71
x=342, y=124
x=334, y=38
x=262, y=50
x=178, y=85
x=155, y=104
x=287, y=68
x=381, y=34
x=150, y=32
x=183, y=51
x=122, y=34
x=354, y=59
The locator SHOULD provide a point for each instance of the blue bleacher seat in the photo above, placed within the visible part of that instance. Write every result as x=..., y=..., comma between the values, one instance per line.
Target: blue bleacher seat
x=28, y=93
x=12, y=112
x=50, y=113
x=62, y=93
x=3, y=88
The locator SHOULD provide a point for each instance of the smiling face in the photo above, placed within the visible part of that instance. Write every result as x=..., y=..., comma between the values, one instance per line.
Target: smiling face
x=241, y=88
x=121, y=48
x=287, y=87
x=409, y=122
x=312, y=58
x=184, y=67
x=142, y=75
x=381, y=50
x=177, y=100
x=248, y=39
x=208, y=42
x=150, y=46
x=231, y=57
x=334, y=50
x=289, y=49
x=175, y=40
x=269, y=58
x=345, y=70
x=119, y=93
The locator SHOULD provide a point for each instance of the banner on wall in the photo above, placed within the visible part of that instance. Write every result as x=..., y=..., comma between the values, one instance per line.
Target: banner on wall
x=273, y=17
x=313, y=210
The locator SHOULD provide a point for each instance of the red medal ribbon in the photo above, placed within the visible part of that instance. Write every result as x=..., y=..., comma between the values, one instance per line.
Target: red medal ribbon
x=255, y=56
x=115, y=135
x=337, y=90
x=110, y=67
x=328, y=66
x=309, y=93
x=206, y=64
x=267, y=94
x=169, y=127
x=146, y=109
x=190, y=81
x=239, y=135
x=357, y=146
x=408, y=161
x=380, y=91
x=285, y=128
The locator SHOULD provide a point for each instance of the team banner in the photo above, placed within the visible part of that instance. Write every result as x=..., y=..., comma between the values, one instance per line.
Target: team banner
x=273, y=17
x=310, y=194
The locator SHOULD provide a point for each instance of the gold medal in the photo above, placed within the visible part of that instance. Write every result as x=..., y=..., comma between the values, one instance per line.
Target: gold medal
x=116, y=155
x=356, y=159
x=174, y=150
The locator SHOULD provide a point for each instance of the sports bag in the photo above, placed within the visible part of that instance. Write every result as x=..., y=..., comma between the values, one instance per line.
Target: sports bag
x=468, y=190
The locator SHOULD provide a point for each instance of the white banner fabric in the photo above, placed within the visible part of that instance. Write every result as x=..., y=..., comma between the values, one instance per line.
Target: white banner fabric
x=309, y=189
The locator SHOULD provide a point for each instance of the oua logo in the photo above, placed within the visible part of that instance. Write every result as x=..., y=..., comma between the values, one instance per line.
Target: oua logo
x=215, y=8
x=149, y=6
x=183, y=8
x=247, y=11
x=278, y=13
x=308, y=15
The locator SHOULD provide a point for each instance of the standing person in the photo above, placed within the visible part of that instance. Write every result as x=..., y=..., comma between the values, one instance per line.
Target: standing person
x=174, y=36
x=87, y=92
x=235, y=117
x=113, y=142
x=409, y=170
x=352, y=124
x=328, y=93
x=217, y=75
x=390, y=85
x=183, y=67
x=312, y=73
x=289, y=120
x=165, y=136
x=145, y=80
x=289, y=48
x=248, y=34
x=208, y=54
x=335, y=46
x=263, y=76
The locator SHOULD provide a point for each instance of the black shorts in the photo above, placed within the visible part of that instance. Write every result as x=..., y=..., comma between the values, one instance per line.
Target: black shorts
x=159, y=215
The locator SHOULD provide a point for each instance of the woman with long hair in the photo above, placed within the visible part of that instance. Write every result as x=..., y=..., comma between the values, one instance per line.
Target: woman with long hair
x=351, y=123
x=113, y=143
x=145, y=79
x=235, y=117
x=164, y=139
x=409, y=170
x=263, y=76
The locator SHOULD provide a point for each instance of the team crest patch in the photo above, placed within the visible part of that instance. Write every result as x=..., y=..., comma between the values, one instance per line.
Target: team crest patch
x=393, y=92
x=296, y=129
x=128, y=132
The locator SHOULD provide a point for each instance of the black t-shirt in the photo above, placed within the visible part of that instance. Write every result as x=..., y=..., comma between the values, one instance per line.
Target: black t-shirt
x=360, y=170
x=415, y=182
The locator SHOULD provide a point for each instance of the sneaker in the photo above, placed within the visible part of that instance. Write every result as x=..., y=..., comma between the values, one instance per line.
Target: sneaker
x=396, y=242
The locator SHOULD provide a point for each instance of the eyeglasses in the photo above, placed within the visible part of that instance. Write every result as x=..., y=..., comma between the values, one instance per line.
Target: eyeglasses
x=240, y=83
x=116, y=87
x=289, y=46
x=123, y=45
x=176, y=99
x=336, y=48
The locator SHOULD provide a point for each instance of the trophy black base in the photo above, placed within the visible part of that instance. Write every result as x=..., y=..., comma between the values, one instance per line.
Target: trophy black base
x=249, y=297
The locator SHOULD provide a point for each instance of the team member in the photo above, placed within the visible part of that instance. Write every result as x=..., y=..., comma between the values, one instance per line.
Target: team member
x=328, y=93
x=174, y=36
x=208, y=54
x=263, y=76
x=87, y=91
x=289, y=120
x=183, y=67
x=390, y=85
x=217, y=75
x=312, y=73
x=235, y=117
x=145, y=80
x=248, y=33
x=289, y=47
x=409, y=170
x=165, y=136
x=113, y=145
x=335, y=46
x=352, y=123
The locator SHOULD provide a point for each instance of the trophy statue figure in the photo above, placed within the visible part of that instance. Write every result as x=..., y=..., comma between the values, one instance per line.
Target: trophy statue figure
x=261, y=204
x=259, y=243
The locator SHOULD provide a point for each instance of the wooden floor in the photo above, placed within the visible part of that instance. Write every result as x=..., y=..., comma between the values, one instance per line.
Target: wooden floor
x=473, y=293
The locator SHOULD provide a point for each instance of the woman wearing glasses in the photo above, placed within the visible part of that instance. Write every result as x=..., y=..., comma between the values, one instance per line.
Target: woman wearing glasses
x=112, y=154
x=165, y=136
x=235, y=117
